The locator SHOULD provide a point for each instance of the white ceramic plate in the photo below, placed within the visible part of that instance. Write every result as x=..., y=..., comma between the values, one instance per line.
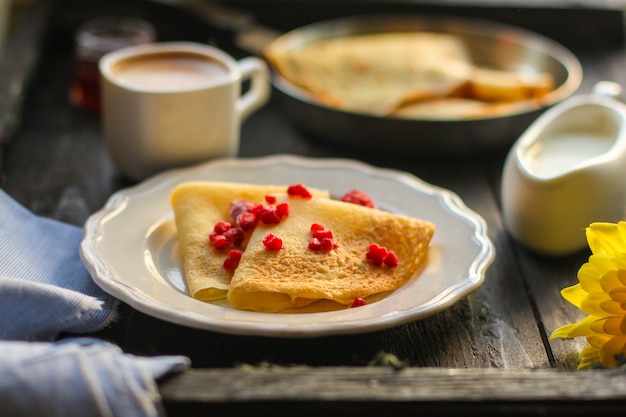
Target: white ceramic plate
x=130, y=248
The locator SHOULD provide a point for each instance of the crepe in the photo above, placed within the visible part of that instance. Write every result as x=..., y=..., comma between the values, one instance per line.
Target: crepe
x=295, y=276
x=198, y=206
x=493, y=85
x=454, y=108
x=376, y=73
x=419, y=75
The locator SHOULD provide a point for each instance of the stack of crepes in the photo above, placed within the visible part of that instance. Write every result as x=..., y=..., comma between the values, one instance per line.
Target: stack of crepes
x=406, y=74
x=294, y=276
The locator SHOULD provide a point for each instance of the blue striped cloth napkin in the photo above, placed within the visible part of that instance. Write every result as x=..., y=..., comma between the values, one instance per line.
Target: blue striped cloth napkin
x=45, y=290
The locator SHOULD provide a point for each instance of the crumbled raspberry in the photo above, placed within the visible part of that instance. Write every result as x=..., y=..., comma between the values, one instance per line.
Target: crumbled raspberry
x=239, y=206
x=266, y=214
x=218, y=240
x=315, y=244
x=323, y=234
x=247, y=221
x=376, y=254
x=283, y=209
x=272, y=242
x=270, y=199
x=235, y=236
x=322, y=238
x=327, y=244
x=224, y=235
x=298, y=190
x=391, y=260
x=358, y=197
x=221, y=227
x=358, y=302
x=379, y=255
x=270, y=214
x=232, y=260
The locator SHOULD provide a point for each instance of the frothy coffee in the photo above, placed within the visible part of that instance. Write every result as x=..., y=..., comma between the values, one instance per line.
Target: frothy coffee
x=169, y=71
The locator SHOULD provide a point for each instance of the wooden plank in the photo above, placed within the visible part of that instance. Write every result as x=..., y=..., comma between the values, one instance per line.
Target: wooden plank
x=394, y=391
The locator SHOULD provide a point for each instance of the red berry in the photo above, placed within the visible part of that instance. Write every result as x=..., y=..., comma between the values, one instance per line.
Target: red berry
x=232, y=261
x=283, y=209
x=391, y=260
x=322, y=238
x=298, y=190
x=323, y=234
x=270, y=214
x=239, y=206
x=218, y=240
x=224, y=235
x=358, y=302
x=221, y=227
x=272, y=242
x=234, y=236
x=376, y=254
x=315, y=244
x=379, y=255
x=327, y=244
x=358, y=197
x=247, y=221
x=270, y=199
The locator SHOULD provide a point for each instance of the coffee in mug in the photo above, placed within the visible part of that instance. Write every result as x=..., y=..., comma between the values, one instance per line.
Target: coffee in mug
x=173, y=104
x=173, y=71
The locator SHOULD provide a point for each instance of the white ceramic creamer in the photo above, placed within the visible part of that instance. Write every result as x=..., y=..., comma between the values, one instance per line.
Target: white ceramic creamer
x=566, y=171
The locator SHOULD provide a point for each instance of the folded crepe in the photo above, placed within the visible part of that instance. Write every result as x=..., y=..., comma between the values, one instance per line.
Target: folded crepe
x=376, y=73
x=198, y=206
x=420, y=75
x=295, y=275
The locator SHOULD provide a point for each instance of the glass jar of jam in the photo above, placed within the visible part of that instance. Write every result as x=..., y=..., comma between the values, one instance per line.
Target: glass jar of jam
x=94, y=38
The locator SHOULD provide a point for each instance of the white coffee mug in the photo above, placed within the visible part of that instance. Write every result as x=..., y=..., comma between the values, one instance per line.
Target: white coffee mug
x=172, y=104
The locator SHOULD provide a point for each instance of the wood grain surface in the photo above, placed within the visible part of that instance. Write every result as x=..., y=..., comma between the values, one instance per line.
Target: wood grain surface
x=488, y=354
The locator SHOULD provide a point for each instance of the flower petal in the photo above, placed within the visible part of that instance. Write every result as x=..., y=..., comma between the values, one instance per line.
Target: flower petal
x=607, y=238
x=587, y=355
x=582, y=328
x=598, y=340
x=600, y=304
x=614, y=326
x=611, y=349
x=562, y=332
x=618, y=295
x=611, y=280
x=574, y=294
x=590, y=273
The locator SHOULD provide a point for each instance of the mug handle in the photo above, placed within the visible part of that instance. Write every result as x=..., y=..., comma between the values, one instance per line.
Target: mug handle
x=256, y=70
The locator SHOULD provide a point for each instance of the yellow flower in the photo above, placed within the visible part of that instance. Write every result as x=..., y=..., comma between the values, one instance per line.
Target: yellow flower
x=601, y=293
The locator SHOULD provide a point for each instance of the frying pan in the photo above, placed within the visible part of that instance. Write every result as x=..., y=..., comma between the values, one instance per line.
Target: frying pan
x=490, y=45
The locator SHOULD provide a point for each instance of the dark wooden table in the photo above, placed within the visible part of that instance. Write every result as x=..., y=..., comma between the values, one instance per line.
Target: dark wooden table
x=488, y=354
